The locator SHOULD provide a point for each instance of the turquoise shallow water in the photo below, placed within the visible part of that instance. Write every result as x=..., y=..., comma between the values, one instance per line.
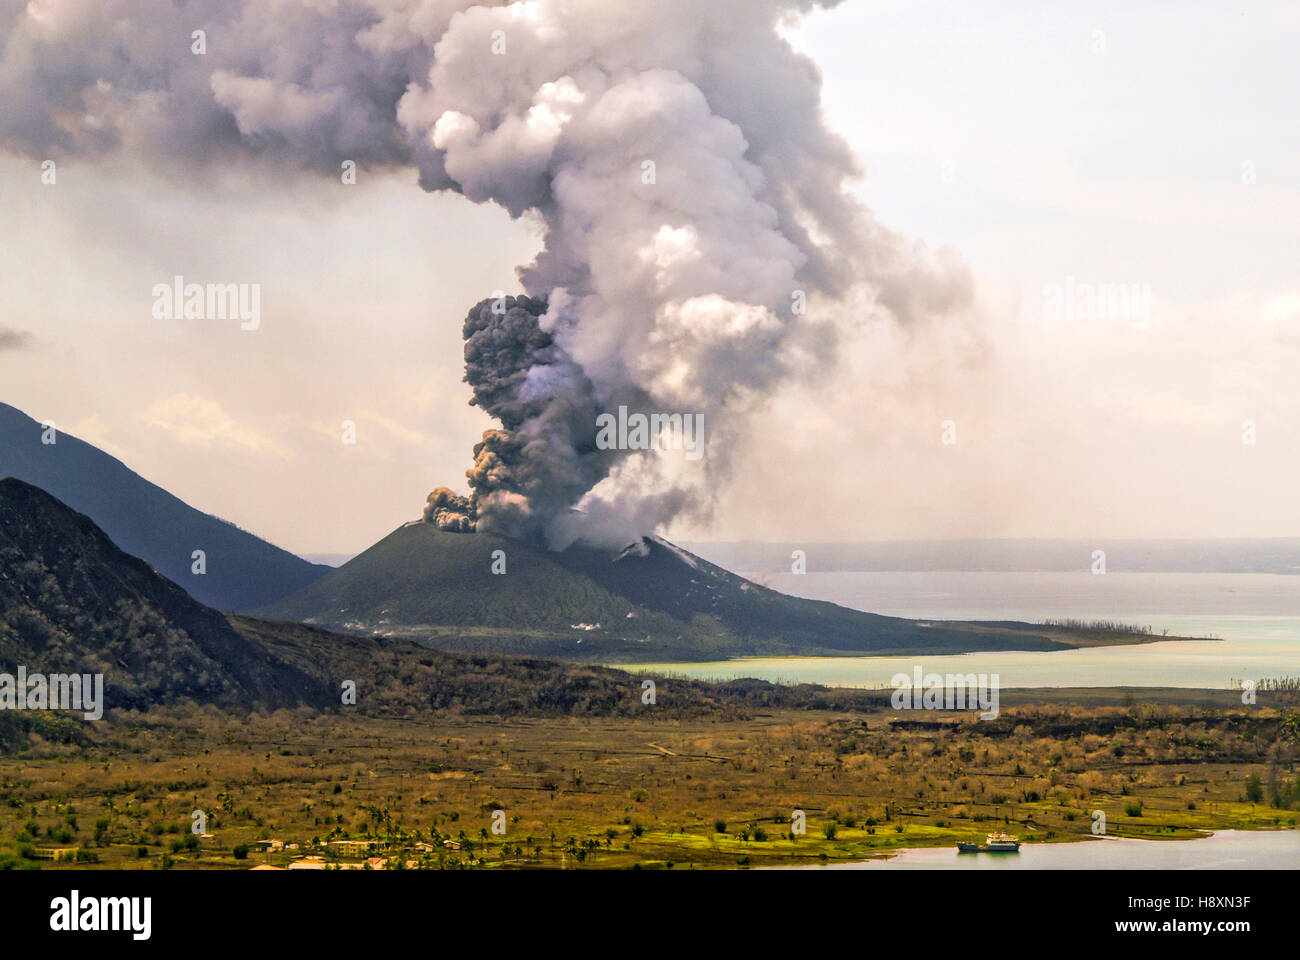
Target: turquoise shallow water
x=1256, y=615
x=1225, y=850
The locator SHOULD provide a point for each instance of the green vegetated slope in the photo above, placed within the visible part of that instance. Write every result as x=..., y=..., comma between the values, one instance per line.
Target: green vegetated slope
x=72, y=602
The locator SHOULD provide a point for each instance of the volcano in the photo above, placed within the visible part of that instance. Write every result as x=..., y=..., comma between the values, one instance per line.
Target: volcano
x=652, y=601
x=72, y=602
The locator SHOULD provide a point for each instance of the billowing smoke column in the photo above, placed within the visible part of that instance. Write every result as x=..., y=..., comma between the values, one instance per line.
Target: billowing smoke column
x=699, y=245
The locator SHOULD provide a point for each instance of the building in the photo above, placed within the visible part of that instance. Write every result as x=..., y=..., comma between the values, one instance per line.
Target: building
x=54, y=853
x=352, y=848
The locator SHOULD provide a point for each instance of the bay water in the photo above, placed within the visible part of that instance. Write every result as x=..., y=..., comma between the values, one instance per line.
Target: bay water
x=1255, y=618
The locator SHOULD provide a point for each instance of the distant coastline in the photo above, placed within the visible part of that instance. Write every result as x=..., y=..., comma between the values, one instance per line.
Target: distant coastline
x=1280, y=555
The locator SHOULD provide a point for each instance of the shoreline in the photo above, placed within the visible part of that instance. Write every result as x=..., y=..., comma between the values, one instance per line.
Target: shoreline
x=1008, y=860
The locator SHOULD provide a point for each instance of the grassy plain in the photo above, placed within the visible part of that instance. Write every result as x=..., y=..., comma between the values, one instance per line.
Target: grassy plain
x=649, y=792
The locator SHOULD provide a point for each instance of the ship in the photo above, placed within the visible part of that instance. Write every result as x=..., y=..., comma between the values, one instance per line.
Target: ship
x=994, y=843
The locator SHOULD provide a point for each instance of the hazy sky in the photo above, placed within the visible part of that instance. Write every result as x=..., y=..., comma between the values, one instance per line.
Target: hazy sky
x=1044, y=147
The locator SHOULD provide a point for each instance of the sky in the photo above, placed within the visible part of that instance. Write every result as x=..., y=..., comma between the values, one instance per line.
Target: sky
x=1047, y=149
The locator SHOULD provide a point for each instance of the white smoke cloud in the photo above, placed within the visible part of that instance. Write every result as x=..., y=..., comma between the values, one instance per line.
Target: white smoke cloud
x=674, y=292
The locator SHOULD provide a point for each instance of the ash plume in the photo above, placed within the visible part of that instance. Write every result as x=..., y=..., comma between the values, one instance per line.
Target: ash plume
x=700, y=247
x=544, y=459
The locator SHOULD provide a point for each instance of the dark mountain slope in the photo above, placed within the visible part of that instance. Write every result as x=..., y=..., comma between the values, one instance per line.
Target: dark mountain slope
x=655, y=601
x=71, y=601
x=146, y=521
